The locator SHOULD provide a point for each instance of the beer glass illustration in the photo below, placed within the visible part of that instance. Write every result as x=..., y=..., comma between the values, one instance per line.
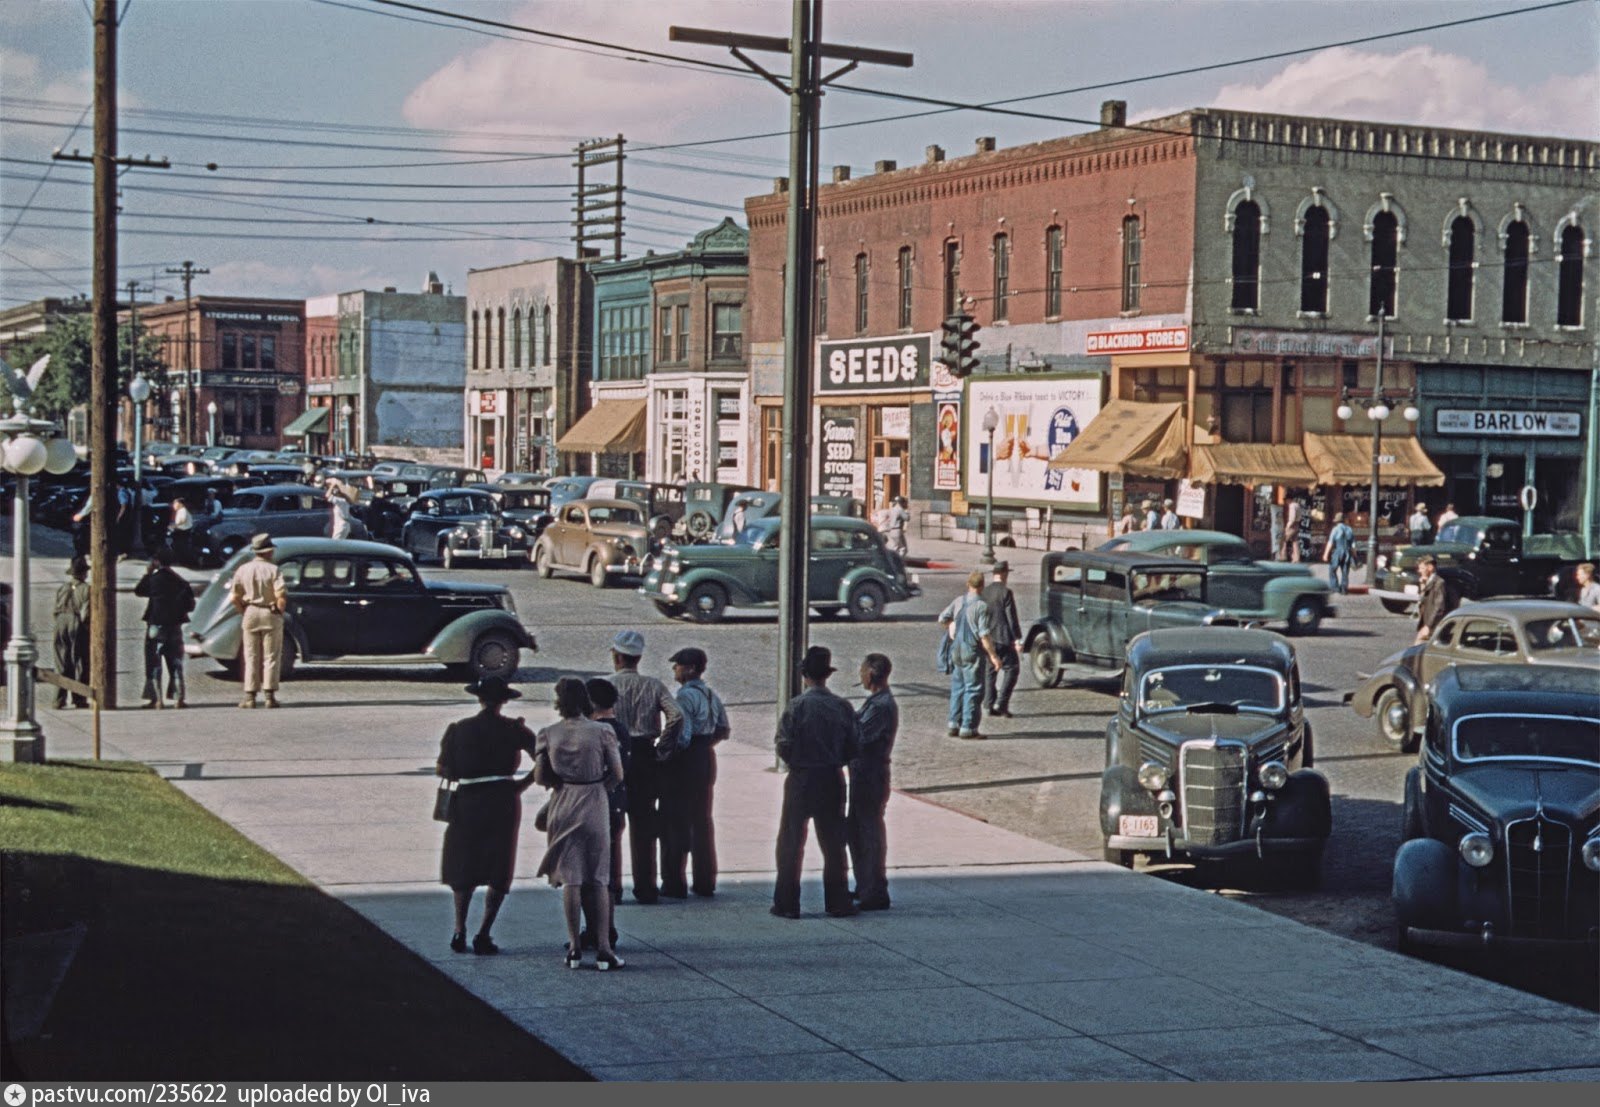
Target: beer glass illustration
x=1019, y=451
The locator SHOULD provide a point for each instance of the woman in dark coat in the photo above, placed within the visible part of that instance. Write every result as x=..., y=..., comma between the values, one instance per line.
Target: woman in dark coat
x=480, y=842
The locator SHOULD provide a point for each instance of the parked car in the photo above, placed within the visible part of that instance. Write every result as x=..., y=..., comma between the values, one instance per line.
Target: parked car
x=599, y=538
x=1501, y=818
x=527, y=505
x=1209, y=756
x=1494, y=632
x=515, y=477
x=385, y=504
x=565, y=489
x=1265, y=591
x=663, y=503
x=1482, y=556
x=704, y=505
x=390, y=467
x=192, y=491
x=363, y=603
x=459, y=524
x=442, y=476
x=851, y=570
x=1092, y=603
x=760, y=505
x=281, y=510
x=267, y=472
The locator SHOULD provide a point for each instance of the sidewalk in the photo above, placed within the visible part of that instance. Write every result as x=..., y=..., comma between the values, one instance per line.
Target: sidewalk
x=1002, y=959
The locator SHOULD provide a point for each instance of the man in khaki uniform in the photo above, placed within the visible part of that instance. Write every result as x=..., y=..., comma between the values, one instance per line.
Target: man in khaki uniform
x=258, y=593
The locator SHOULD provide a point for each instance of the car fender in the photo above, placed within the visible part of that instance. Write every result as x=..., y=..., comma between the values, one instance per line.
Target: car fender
x=1426, y=882
x=1302, y=808
x=737, y=592
x=1280, y=594
x=454, y=642
x=1122, y=794
x=863, y=573
x=1057, y=634
x=1364, y=700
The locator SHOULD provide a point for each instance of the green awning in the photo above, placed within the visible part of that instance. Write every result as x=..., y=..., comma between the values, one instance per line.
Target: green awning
x=307, y=421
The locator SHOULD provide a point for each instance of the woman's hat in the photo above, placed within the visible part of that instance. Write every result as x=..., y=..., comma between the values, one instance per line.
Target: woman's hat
x=493, y=689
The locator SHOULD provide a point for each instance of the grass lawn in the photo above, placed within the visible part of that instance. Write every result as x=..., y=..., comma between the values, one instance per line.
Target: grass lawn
x=199, y=956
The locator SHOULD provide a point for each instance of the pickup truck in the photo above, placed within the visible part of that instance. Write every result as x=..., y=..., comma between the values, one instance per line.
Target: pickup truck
x=1482, y=555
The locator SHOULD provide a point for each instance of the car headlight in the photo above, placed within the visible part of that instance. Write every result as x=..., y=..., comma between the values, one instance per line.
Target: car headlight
x=1273, y=775
x=516, y=534
x=1152, y=777
x=1591, y=854
x=1383, y=561
x=1476, y=849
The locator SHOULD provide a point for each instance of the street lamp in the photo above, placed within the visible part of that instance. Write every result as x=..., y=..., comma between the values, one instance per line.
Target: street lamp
x=30, y=445
x=991, y=421
x=1380, y=405
x=138, y=392
x=345, y=412
x=211, y=427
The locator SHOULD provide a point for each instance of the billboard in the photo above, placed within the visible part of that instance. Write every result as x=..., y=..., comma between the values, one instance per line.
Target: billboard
x=1036, y=418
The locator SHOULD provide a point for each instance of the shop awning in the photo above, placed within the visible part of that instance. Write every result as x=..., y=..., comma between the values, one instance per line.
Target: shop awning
x=1130, y=438
x=307, y=422
x=1347, y=459
x=610, y=427
x=1252, y=463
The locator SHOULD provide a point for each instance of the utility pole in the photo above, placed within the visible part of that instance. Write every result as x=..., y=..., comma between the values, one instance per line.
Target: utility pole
x=191, y=388
x=806, y=51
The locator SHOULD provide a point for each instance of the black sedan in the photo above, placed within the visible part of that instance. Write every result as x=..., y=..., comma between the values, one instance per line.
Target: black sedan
x=458, y=524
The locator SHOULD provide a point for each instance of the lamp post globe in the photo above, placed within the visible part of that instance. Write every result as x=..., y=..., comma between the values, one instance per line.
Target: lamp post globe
x=345, y=411
x=25, y=455
x=211, y=426
x=1378, y=412
x=1345, y=411
x=59, y=456
x=1412, y=413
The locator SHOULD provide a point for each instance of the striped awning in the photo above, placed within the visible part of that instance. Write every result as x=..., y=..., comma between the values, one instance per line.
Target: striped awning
x=1252, y=463
x=1346, y=459
x=1130, y=438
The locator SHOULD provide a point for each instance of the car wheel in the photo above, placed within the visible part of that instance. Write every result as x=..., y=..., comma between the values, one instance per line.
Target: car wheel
x=1123, y=857
x=597, y=571
x=1395, y=607
x=1393, y=720
x=706, y=602
x=1045, y=661
x=699, y=525
x=287, y=658
x=541, y=562
x=495, y=654
x=866, y=602
x=1305, y=616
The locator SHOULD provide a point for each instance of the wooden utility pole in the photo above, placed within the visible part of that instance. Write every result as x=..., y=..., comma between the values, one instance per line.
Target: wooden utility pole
x=191, y=387
x=103, y=380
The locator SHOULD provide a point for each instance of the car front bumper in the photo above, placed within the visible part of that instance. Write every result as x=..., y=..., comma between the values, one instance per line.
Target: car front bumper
x=1241, y=847
x=1463, y=939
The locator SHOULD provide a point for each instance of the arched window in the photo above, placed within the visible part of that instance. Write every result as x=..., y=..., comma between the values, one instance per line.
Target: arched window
x=1569, y=279
x=1385, y=254
x=1247, y=256
x=1463, y=249
x=1514, y=299
x=1002, y=276
x=1054, y=248
x=473, y=341
x=500, y=340
x=544, y=334
x=905, y=286
x=516, y=338
x=1314, y=261
x=861, y=293
x=1131, y=253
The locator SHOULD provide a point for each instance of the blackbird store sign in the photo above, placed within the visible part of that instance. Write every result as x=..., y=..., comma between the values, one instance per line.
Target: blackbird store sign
x=896, y=364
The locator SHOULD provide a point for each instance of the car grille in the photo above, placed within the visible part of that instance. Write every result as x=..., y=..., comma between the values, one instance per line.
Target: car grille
x=1539, y=877
x=1152, y=750
x=1212, y=774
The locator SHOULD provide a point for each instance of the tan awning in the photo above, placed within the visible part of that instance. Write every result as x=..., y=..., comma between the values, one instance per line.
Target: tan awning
x=1347, y=459
x=1131, y=438
x=1252, y=463
x=610, y=427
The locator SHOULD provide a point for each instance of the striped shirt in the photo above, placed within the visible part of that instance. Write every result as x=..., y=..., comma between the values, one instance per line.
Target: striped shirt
x=641, y=703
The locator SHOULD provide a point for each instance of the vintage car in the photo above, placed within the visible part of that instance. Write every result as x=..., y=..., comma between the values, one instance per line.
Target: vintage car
x=1494, y=632
x=850, y=570
x=662, y=503
x=565, y=489
x=1266, y=591
x=704, y=505
x=1501, y=819
x=1482, y=556
x=384, y=503
x=363, y=603
x=599, y=538
x=281, y=510
x=442, y=476
x=1092, y=603
x=527, y=505
x=462, y=524
x=1209, y=755
x=760, y=505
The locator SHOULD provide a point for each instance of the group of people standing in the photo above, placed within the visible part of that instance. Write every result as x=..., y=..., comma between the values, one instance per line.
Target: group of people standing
x=983, y=647
x=1148, y=518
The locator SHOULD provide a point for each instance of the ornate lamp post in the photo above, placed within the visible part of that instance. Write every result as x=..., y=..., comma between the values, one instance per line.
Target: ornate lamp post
x=1379, y=407
x=138, y=392
x=30, y=445
x=345, y=411
x=991, y=421
x=211, y=427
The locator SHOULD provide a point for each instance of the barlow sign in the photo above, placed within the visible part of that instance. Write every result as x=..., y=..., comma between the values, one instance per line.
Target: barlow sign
x=897, y=364
x=1508, y=424
x=1154, y=340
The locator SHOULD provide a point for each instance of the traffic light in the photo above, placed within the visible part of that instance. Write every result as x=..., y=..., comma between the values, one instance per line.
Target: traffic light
x=959, y=345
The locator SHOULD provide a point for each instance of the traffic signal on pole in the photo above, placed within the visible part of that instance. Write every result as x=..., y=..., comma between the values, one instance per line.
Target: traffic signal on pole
x=959, y=345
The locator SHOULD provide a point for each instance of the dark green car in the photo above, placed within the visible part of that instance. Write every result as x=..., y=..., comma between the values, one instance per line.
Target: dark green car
x=850, y=570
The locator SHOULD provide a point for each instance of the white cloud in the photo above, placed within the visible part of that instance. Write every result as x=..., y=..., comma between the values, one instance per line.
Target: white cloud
x=255, y=277
x=1425, y=86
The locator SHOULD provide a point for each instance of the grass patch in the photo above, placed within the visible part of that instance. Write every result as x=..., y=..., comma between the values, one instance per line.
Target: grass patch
x=200, y=956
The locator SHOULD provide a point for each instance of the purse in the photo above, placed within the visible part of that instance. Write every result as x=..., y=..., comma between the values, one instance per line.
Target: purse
x=442, y=800
x=541, y=820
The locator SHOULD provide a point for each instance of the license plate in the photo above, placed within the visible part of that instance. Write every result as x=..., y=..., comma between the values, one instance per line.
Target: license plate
x=1137, y=826
x=1411, y=589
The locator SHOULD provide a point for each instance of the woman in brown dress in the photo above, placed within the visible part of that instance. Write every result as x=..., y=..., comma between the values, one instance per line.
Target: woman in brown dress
x=480, y=842
x=580, y=759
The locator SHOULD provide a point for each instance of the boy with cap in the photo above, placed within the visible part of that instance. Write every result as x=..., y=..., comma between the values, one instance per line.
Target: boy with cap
x=648, y=712
x=817, y=736
x=690, y=778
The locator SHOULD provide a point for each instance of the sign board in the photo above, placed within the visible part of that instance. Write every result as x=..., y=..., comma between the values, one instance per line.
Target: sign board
x=1499, y=423
x=1148, y=340
x=1308, y=343
x=947, y=451
x=887, y=466
x=487, y=404
x=1038, y=417
x=249, y=316
x=894, y=364
x=839, y=467
x=288, y=387
x=232, y=378
x=896, y=422
x=1191, y=499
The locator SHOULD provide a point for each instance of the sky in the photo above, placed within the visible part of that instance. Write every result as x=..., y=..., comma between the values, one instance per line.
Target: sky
x=359, y=145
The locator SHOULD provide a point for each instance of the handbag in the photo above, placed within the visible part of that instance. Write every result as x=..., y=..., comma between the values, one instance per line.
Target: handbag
x=541, y=820
x=442, y=800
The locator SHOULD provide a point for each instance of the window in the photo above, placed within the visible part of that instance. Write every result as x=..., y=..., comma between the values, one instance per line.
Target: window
x=952, y=278
x=1458, y=297
x=1247, y=256
x=1131, y=249
x=230, y=351
x=1002, y=274
x=624, y=341
x=545, y=334
x=1569, y=280
x=1488, y=636
x=516, y=338
x=488, y=339
x=820, y=302
x=247, y=351
x=905, y=286
x=664, y=336
x=861, y=293
x=1314, y=262
x=1053, y=241
x=473, y=343
x=500, y=341
x=386, y=574
x=269, y=351
x=1514, y=301
x=727, y=331
x=1385, y=253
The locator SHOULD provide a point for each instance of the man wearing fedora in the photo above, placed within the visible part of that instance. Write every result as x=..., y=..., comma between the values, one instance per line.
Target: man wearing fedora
x=648, y=712
x=818, y=736
x=258, y=593
x=1006, y=630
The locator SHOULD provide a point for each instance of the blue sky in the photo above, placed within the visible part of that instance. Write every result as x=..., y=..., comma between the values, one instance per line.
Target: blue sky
x=353, y=72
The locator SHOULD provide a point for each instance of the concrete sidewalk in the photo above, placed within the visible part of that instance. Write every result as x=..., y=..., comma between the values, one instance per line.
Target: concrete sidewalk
x=1002, y=959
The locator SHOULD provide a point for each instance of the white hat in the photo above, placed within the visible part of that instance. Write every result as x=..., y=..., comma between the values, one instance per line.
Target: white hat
x=629, y=643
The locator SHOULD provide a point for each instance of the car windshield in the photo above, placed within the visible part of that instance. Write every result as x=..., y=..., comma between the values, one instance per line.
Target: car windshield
x=1574, y=633
x=1181, y=687
x=1464, y=533
x=1561, y=738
